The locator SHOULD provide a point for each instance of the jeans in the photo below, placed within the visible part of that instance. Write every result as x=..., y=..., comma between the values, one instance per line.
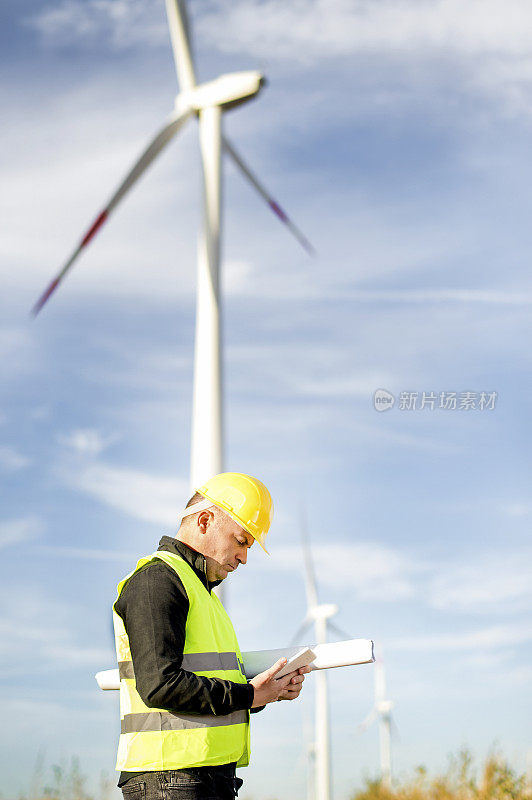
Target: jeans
x=200, y=783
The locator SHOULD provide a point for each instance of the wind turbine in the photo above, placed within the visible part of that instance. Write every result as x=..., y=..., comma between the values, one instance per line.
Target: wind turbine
x=383, y=711
x=319, y=615
x=207, y=102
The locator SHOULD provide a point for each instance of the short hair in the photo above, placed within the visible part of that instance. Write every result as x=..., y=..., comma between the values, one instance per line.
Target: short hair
x=196, y=498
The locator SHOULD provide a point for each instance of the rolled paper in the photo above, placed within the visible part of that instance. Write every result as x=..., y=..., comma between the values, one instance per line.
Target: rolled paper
x=349, y=653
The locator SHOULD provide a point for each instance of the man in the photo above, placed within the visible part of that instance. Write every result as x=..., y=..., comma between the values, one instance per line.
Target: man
x=184, y=698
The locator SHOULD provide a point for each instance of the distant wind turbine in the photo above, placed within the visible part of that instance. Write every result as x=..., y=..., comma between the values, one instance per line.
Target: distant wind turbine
x=382, y=710
x=207, y=102
x=319, y=615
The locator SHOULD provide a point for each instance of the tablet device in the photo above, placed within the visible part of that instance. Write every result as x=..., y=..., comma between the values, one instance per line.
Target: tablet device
x=302, y=658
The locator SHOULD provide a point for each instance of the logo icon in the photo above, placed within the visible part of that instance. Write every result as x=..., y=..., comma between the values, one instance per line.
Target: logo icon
x=383, y=400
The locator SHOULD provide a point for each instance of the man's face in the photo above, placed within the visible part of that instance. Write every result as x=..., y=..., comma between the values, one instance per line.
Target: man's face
x=226, y=543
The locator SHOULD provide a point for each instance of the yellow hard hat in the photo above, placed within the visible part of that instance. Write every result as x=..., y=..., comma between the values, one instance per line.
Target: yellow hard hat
x=244, y=498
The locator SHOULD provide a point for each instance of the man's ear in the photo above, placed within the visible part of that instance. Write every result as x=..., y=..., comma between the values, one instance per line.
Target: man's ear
x=204, y=520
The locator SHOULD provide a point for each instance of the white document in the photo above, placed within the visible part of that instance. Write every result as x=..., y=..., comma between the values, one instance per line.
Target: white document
x=337, y=654
x=301, y=659
x=108, y=679
x=343, y=654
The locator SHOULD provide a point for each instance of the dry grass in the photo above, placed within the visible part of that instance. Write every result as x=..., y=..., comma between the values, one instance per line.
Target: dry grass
x=64, y=782
x=494, y=780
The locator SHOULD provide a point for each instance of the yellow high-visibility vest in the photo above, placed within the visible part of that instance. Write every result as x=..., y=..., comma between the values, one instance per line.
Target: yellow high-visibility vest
x=155, y=739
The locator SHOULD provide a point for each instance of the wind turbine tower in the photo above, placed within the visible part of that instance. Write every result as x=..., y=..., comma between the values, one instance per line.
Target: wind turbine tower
x=319, y=615
x=207, y=102
x=382, y=710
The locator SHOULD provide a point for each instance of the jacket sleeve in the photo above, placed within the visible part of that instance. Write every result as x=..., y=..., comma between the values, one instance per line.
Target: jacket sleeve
x=154, y=607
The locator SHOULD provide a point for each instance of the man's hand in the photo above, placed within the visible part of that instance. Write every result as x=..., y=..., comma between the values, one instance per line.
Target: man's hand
x=296, y=684
x=268, y=688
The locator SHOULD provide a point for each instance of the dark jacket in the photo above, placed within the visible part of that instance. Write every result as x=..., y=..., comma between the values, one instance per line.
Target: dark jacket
x=154, y=606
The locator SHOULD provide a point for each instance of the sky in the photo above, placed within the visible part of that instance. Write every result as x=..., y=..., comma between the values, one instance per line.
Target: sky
x=397, y=136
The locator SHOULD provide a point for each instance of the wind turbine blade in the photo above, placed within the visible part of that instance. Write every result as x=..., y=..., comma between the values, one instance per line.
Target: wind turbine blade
x=310, y=579
x=334, y=627
x=372, y=716
x=176, y=12
x=154, y=148
x=305, y=625
x=394, y=729
x=275, y=207
x=380, y=680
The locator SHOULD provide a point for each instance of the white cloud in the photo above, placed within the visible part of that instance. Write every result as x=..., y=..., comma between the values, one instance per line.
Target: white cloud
x=373, y=572
x=486, y=39
x=11, y=460
x=238, y=277
x=517, y=509
x=36, y=630
x=129, y=365
x=18, y=531
x=384, y=248
x=124, y=23
x=302, y=30
x=488, y=581
x=40, y=413
x=386, y=437
x=73, y=147
x=497, y=581
x=142, y=495
x=86, y=441
x=331, y=371
x=60, y=176
x=331, y=27
x=85, y=554
x=496, y=636
x=469, y=296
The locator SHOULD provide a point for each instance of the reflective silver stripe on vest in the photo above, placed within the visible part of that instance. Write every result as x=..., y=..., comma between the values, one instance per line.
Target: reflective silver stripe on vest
x=193, y=662
x=125, y=670
x=165, y=721
x=209, y=662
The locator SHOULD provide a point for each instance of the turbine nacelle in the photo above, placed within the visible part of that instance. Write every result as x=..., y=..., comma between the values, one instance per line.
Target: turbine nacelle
x=323, y=611
x=384, y=707
x=227, y=91
x=211, y=97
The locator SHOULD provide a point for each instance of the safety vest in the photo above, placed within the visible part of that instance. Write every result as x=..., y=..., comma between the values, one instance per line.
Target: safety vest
x=155, y=739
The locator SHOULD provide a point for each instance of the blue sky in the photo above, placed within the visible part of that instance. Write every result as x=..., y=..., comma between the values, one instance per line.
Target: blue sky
x=397, y=135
